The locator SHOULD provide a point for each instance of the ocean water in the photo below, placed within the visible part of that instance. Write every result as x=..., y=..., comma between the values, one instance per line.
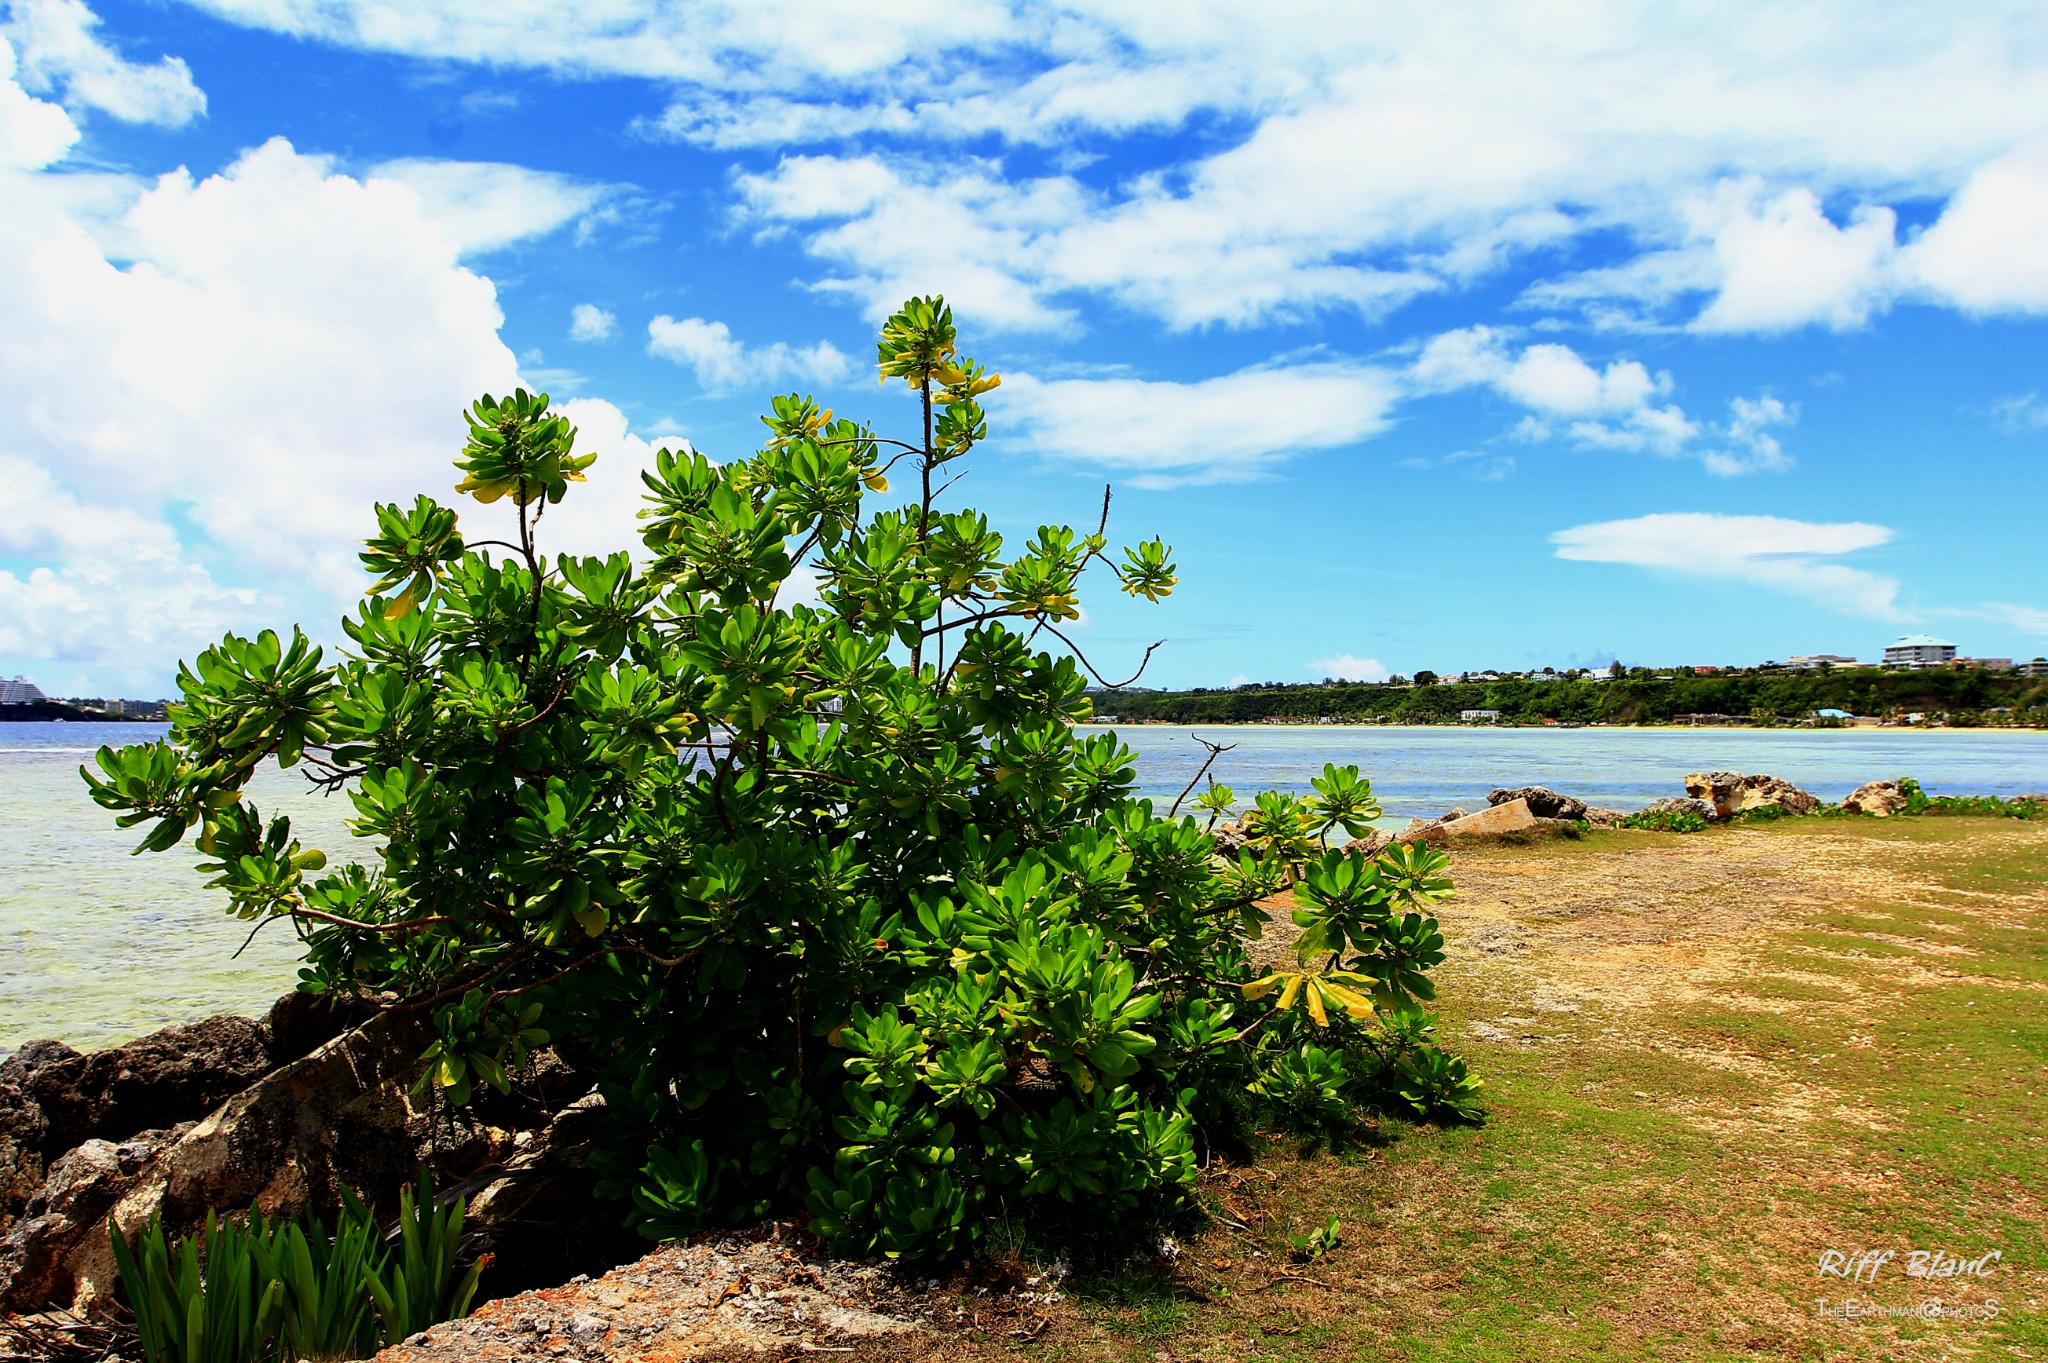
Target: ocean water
x=97, y=946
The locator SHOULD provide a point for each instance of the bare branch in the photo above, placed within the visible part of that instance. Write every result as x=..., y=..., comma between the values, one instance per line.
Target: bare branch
x=1215, y=751
x=1083, y=658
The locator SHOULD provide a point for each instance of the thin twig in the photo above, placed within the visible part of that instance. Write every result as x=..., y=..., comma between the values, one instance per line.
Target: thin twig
x=1215, y=751
x=1082, y=658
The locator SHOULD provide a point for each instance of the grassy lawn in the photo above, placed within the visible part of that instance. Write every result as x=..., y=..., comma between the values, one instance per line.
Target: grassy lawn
x=1711, y=1060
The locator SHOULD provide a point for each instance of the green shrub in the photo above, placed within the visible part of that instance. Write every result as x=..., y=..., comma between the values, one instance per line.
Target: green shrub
x=849, y=917
x=1919, y=801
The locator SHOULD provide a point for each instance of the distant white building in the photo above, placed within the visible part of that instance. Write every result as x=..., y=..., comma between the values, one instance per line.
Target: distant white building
x=2036, y=668
x=1813, y=662
x=20, y=691
x=1914, y=651
x=1988, y=664
x=1479, y=716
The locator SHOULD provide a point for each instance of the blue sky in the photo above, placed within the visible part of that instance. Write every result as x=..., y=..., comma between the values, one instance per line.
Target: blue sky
x=1534, y=334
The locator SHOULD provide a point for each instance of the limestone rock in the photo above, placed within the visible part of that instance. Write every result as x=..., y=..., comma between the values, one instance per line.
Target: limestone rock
x=300, y=1023
x=1604, y=818
x=1372, y=844
x=731, y=1298
x=1880, y=798
x=1731, y=793
x=341, y=1117
x=1229, y=839
x=81, y=1187
x=22, y=1135
x=1683, y=804
x=176, y=1075
x=1513, y=817
x=1544, y=802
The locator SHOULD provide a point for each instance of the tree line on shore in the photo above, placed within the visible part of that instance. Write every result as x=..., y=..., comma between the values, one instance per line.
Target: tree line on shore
x=1959, y=697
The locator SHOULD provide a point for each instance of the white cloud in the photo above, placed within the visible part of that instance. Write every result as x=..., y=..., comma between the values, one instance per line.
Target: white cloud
x=33, y=132
x=58, y=48
x=1370, y=153
x=483, y=206
x=1223, y=429
x=193, y=425
x=1989, y=250
x=1794, y=557
x=722, y=363
x=2020, y=414
x=1612, y=408
x=1787, y=265
x=1346, y=667
x=2026, y=619
x=589, y=322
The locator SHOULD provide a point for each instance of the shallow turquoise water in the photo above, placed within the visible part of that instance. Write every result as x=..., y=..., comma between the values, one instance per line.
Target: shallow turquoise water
x=97, y=946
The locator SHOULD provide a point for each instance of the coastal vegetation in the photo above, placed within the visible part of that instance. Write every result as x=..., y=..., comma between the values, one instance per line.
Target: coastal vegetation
x=1638, y=696
x=830, y=899
x=255, y=1290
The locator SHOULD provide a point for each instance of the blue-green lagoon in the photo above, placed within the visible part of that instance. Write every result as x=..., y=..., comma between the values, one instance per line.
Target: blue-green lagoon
x=97, y=946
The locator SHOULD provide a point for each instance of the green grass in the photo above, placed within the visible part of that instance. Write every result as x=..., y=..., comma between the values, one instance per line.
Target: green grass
x=1658, y=1182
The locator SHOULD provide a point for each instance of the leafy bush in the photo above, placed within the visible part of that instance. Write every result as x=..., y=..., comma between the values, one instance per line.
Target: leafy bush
x=1919, y=801
x=257, y=1291
x=1666, y=821
x=847, y=915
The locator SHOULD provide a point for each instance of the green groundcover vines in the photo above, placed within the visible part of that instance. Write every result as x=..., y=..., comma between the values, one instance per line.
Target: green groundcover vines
x=849, y=918
x=255, y=1291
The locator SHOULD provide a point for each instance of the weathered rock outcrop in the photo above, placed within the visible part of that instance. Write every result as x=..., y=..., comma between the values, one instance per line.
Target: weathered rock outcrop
x=1731, y=793
x=1544, y=802
x=1604, y=818
x=1683, y=804
x=340, y=1117
x=1880, y=798
x=732, y=1298
x=176, y=1075
x=83, y=1185
x=1511, y=819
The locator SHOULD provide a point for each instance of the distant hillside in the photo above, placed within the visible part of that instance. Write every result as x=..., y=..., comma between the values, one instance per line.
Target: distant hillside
x=1641, y=697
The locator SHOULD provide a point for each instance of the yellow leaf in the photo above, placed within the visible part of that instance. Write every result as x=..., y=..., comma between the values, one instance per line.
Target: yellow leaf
x=1258, y=989
x=1357, y=1005
x=1315, y=1007
x=1292, y=991
x=875, y=482
x=400, y=607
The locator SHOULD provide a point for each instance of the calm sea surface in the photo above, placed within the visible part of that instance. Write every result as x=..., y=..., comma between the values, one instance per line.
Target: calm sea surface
x=97, y=946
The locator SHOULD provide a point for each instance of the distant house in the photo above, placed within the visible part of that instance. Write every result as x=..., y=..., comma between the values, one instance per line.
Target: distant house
x=1988, y=664
x=2036, y=668
x=20, y=691
x=1813, y=662
x=1479, y=716
x=1832, y=713
x=1917, y=651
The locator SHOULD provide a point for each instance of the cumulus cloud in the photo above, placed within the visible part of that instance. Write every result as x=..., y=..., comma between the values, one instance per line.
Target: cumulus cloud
x=1345, y=667
x=589, y=322
x=59, y=51
x=1223, y=429
x=195, y=423
x=1790, y=556
x=1988, y=252
x=1747, y=163
x=722, y=363
x=1615, y=407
